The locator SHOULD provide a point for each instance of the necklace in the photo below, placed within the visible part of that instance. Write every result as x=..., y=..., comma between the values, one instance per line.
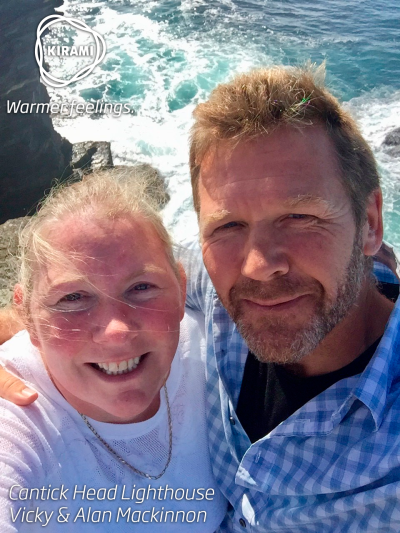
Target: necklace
x=121, y=460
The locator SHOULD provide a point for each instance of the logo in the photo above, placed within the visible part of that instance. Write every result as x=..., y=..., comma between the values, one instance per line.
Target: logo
x=97, y=50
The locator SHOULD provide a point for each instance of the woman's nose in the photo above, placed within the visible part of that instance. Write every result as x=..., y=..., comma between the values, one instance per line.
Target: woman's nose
x=116, y=327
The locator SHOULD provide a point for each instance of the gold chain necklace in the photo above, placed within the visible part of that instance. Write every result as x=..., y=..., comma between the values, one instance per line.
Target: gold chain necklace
x=121, y=460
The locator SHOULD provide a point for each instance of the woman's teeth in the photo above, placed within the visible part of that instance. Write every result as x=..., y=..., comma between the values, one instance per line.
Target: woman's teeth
x=115, y=369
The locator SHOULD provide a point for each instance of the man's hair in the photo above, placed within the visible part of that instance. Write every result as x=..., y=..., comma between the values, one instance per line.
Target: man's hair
x=256, y=103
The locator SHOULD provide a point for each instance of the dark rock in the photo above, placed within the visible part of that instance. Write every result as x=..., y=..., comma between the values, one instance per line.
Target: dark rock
x=391, y=143
x=8, y=251
x=89, y=156
x=392, y=138
x=394, y=151
x=32, y=154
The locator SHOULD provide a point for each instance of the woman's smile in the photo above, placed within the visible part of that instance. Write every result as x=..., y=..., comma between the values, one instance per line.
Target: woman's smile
x=116, y=369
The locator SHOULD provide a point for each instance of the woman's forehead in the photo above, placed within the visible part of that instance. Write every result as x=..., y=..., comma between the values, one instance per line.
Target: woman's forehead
x=105, y=245
x=86, y=232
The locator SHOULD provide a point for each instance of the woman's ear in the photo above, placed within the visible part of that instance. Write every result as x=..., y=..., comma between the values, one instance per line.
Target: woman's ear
x=182, y=284
x=373, y=227
x=20, y=312
x=18, y=296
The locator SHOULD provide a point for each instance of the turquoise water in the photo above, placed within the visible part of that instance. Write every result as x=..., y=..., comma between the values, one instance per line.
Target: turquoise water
x=166, y=56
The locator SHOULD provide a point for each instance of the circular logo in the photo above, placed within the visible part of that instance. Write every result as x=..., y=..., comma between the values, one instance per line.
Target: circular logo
x=99, y=50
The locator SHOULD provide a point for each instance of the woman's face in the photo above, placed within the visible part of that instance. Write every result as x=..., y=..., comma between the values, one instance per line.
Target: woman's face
x=107, y=322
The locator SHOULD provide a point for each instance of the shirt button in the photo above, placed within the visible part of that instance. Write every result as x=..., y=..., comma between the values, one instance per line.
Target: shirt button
x=232, y=420
x=242, y=522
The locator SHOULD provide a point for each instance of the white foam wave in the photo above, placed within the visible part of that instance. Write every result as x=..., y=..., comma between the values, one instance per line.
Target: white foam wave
x=174, y=72
x=378, y=113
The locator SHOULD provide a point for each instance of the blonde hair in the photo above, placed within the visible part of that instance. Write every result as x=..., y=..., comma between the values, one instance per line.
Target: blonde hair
x=109, y=194
x=256, y=103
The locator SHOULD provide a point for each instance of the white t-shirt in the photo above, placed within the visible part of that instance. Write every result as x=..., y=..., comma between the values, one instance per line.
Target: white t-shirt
x=48, y=447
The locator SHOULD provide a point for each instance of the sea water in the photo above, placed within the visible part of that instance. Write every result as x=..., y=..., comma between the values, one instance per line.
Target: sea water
x=165, y=56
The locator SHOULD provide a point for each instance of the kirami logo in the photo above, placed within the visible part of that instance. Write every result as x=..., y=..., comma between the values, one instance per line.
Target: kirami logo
x=69, y=51
x=97, y=50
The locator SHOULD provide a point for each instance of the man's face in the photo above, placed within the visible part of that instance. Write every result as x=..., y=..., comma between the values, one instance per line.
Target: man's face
x=279, y=240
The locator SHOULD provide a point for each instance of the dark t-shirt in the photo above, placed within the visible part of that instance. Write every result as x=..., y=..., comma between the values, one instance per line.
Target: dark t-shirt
x=270, y=393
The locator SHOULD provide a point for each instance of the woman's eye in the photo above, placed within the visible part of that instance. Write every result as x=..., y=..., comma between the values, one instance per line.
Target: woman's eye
x=72, y=297
x=75, y=301
x=142, y=287
x=142, y=290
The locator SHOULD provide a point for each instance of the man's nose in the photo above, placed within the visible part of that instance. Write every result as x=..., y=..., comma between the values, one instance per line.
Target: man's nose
x=114, y=326
x=264, y=256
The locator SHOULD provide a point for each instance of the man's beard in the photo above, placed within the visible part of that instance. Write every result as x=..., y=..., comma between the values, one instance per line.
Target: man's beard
x=274, y=338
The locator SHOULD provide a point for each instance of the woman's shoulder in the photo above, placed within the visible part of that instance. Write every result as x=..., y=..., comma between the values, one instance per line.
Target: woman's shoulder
x=20, y=357
x=40, y=424
x=27, y=439
x=17, y=354
x=20, y=338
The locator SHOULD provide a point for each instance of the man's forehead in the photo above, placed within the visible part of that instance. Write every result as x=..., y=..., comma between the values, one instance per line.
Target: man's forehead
x=299, y=167
x=310, y=141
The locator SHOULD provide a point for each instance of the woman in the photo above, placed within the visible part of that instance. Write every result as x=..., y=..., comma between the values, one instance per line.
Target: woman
x=118, y=434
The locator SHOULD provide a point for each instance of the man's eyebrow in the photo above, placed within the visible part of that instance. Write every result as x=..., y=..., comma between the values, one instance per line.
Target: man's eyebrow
x=304, y=200
x=216, y=217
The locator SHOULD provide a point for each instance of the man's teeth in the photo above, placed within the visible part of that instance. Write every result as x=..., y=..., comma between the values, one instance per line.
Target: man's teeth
x=114, y=369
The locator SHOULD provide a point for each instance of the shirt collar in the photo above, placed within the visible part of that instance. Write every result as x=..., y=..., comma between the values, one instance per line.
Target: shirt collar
x=375, y=382
x=324, y=412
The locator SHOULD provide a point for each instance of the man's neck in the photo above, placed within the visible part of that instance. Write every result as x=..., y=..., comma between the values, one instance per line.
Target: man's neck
x=364, y=324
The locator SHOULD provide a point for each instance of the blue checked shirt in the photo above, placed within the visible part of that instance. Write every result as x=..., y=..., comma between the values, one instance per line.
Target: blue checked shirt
x=331, y=467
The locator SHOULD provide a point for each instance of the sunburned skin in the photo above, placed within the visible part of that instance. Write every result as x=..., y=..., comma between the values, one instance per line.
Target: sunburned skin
x=107, y=326
x=276, y=207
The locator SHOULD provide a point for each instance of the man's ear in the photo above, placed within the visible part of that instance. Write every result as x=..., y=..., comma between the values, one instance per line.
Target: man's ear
x=373, y=227
x=182, y=284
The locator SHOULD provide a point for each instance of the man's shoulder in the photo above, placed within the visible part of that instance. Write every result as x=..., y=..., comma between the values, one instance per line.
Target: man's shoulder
x=379, y=385
x=384, y=274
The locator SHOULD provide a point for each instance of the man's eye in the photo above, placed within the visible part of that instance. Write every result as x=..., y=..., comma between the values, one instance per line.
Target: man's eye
x=228, y=225
x=299, y=216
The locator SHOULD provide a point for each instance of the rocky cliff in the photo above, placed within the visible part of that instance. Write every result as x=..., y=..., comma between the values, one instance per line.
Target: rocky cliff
x=32, y=154
x=391, y=143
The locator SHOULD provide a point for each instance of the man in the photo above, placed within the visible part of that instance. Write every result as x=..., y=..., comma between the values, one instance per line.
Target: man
x=289, y=206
